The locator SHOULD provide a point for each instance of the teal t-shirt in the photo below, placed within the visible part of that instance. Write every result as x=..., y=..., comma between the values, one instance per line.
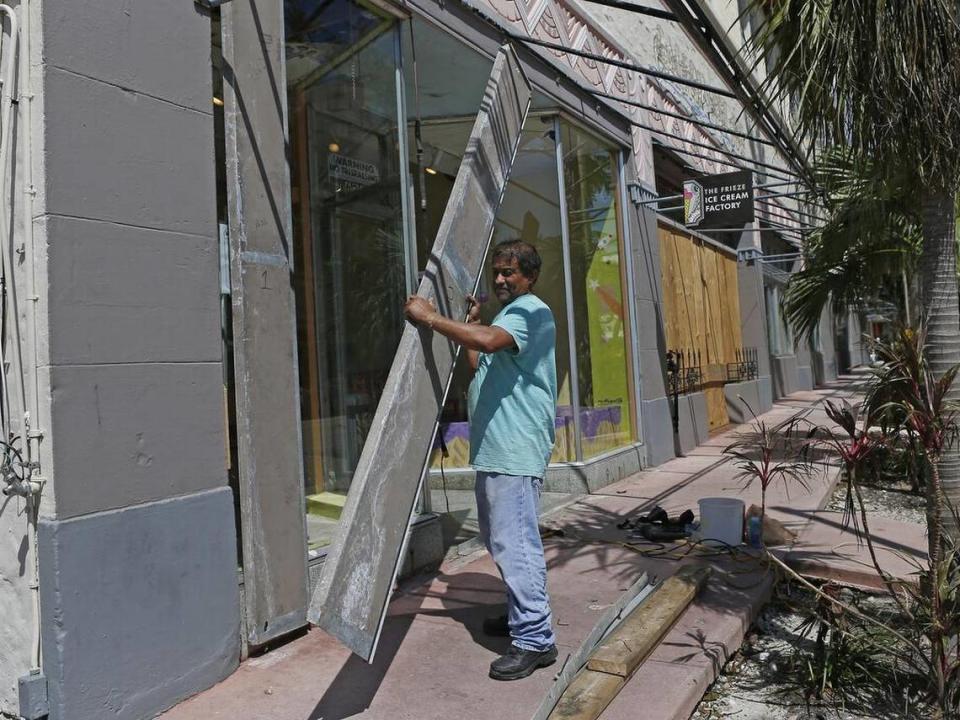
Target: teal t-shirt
x=513, y=396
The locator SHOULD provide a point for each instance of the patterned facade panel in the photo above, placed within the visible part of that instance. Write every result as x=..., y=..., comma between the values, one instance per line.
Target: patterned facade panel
x=564, y=23
x=558, y=22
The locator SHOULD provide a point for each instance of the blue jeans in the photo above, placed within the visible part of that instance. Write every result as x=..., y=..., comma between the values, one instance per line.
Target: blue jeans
x=507, y=510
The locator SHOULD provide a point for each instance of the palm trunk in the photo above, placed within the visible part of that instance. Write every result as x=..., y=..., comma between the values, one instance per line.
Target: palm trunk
x=938, y=647
x=938, y=272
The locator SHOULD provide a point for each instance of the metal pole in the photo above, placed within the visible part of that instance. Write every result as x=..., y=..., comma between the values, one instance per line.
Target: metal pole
x=799, y=230
x=408, y=218
x=630, y=297
x=728, y=163
x=696, y=143
x=659, y=199
x=639, y=9
x=661, y=111
x=776, y=184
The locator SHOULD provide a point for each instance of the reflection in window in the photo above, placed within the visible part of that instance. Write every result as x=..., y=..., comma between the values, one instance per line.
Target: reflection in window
x=590, y=175
x=531, y=211
x=348, y=234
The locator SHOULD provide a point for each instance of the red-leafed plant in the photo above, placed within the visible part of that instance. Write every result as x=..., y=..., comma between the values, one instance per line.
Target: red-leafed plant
x=780, y=452
x=906, y=409
x=906, y=389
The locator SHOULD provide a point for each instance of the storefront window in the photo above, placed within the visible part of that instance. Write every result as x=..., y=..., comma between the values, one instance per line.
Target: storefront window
x=348, y=234
x=590, y=183
x=530, y=211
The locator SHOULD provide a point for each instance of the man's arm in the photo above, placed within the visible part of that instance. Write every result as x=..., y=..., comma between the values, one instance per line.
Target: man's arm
x=475, y=337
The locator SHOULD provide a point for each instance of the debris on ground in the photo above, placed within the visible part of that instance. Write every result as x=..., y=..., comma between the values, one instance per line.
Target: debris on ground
x=894, y=502
x=768, y=678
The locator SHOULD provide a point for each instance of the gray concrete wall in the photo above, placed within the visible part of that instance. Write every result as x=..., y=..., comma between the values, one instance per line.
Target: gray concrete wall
x=651, y=343
x=783, y=373
x=129, y=224
x=743, y=399
x=138, y=551
x=804, y=357
x=859, y=351
x=851, y=349
x=693, y=426
x=825, y=359
x=16, y=627
x=139, y=592
x=753, y=326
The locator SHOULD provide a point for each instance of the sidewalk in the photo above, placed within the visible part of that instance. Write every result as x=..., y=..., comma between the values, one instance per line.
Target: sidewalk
x=433, y=658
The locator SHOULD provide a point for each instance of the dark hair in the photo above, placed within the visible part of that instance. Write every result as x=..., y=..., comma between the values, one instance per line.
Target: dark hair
x=526, y=255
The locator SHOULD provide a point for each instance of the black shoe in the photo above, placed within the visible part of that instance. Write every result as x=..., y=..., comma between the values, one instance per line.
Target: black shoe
x=519, y=663
x=496, y=626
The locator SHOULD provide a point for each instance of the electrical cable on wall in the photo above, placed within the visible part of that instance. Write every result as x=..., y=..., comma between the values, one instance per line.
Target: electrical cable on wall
x=16, y=472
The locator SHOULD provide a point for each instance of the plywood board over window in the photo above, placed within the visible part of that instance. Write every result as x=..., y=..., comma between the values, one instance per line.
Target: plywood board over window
x=701, y=310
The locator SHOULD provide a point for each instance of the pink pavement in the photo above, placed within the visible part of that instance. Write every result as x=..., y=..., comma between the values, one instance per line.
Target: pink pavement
x=433, y=657
x=829, y=549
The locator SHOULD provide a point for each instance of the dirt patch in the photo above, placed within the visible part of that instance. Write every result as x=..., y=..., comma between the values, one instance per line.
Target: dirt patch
x=769, y=678
x=897, y=503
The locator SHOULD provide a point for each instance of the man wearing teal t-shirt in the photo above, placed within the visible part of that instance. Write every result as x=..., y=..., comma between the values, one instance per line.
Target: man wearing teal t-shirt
x=512, y=403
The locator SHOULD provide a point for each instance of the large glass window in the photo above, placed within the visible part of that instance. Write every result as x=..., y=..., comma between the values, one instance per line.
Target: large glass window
x=590, y=173
x=530, y=211
x=348, y=217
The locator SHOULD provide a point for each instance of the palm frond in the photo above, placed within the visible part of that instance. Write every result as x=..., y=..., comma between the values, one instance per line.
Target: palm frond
x=901, y=106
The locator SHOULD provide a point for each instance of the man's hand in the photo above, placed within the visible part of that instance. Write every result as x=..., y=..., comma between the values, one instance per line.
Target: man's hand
x=473, y=335
x=419, y=310
x=473, y=311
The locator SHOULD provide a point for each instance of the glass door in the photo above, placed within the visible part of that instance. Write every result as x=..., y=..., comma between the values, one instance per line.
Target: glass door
x=348, y=176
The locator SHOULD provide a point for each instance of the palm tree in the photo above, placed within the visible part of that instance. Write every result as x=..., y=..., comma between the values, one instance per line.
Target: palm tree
x=865, y=252
x=882, y=79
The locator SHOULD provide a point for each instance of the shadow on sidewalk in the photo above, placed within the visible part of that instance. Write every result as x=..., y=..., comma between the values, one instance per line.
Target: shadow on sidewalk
x=465, y=598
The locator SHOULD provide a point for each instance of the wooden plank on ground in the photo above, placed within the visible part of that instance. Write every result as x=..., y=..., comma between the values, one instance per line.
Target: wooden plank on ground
x=623, y=650
x=350, y=601
x=575, y=662
x=630, y=644
x=588, y=695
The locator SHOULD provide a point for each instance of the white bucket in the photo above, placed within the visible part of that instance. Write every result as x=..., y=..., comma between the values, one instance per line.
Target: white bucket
x=721, y=519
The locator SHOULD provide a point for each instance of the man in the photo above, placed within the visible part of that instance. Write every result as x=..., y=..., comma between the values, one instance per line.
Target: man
x=512, y=403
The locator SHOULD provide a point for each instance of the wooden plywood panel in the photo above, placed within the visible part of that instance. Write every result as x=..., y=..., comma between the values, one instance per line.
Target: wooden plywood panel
x=701, y=310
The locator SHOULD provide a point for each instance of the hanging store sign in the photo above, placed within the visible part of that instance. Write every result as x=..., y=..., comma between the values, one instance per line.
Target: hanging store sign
x=716, y=201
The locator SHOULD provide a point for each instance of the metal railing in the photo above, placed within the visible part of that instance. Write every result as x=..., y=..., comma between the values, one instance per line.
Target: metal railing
x=745, y=367
x=684, y=371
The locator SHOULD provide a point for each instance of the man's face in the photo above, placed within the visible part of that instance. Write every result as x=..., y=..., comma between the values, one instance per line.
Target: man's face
x=509, y=282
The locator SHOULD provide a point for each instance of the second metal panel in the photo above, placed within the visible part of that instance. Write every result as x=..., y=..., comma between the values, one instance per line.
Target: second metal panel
x=351, y=599
x=265, y=357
